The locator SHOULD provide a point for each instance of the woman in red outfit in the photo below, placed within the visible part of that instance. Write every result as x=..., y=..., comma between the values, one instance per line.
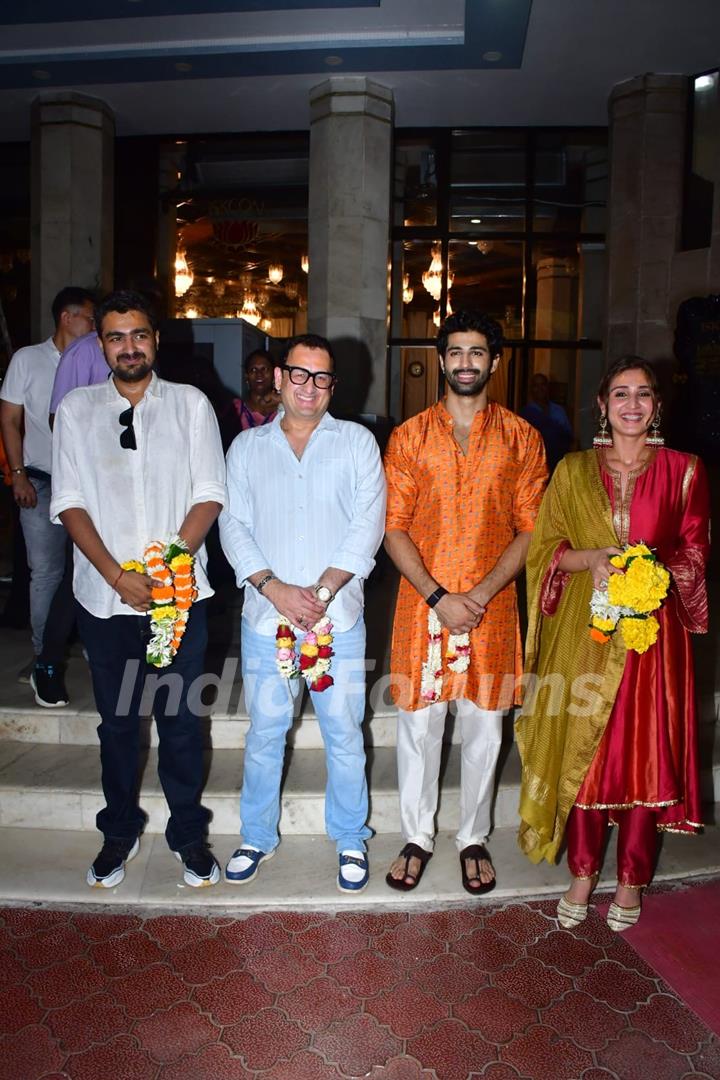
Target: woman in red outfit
x=619, y=744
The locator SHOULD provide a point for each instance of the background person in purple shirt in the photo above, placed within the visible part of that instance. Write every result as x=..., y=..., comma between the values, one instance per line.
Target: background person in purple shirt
x=81, y=364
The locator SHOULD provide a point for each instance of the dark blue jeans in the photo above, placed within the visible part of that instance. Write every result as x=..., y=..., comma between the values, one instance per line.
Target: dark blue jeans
x=111, y=644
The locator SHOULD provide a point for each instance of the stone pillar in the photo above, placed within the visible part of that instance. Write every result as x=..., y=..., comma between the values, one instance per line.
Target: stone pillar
x=72, y=199
x=647, y=151
x=556, y=314
x=348, y=244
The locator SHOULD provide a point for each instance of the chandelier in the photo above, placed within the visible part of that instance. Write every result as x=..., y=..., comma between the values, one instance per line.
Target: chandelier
x=183, y=275
x=275, y=273
x=432, y=278
x=250, y=312
x=408, y=291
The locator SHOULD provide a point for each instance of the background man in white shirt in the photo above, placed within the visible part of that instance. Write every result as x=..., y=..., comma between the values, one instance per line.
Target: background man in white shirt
x=137, y=459
x=305, y=516
x=24, y=410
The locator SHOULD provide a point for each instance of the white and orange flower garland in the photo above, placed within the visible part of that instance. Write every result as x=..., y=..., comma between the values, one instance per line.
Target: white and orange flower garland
x=315, y=653
x=457, y=655
x=172, y=565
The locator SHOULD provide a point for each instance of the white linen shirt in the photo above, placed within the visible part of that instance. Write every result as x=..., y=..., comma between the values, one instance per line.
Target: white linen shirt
x=29, y=382
x=134, y=496
x=300, y=517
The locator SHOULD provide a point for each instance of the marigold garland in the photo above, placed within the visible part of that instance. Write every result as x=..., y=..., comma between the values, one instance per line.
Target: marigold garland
x=315, y=654
x=172, y=565
x=457, y=655
x=630, y=598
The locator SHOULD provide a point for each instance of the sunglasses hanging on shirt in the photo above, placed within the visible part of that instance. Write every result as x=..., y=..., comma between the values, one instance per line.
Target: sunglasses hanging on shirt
x=127, y=437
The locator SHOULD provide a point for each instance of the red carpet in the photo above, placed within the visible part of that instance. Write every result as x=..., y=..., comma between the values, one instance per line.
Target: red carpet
x=679, y=936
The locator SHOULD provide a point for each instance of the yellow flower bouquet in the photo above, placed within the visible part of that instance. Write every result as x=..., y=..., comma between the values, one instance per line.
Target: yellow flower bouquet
x=630, y=598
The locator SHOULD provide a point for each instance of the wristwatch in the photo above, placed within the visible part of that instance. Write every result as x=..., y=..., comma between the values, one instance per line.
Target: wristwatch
x=323, y=593
x=433, y=598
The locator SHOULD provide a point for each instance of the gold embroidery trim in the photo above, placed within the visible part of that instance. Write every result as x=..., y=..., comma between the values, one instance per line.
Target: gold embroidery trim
x=687, y=479
x=621, y=510
x=625, y=806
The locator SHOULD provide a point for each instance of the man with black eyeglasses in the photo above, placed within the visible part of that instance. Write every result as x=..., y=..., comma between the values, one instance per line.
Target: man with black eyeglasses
x=304, y=518
x=137, y=459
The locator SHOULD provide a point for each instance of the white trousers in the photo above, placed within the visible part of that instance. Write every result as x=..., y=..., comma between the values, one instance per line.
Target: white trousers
x=419, y=747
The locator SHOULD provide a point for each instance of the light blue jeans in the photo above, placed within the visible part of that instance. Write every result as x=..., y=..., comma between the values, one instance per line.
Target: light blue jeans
x=340, y=709
x=45, y=545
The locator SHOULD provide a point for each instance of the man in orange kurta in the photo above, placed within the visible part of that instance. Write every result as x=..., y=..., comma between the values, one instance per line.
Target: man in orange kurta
x=465, y=479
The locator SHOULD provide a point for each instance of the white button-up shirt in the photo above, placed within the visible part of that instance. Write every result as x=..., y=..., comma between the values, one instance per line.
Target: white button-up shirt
x=29, y=382
x=134, y=496
x=300, y=517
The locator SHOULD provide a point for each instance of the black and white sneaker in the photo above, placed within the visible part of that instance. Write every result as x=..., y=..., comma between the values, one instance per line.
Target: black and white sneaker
x=109, y=867
x=201, y=868
x=49, y=685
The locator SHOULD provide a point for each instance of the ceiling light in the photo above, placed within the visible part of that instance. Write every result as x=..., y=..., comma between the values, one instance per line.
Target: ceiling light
x=476, y=221
x=250, y=311
x=432, y=278
x=275, y=273
x=436, y=313
x=183, y=274
x=304, y=263
x=408, y=291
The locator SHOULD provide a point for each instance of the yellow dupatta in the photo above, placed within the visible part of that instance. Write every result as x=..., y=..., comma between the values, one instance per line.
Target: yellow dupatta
x=566, y=710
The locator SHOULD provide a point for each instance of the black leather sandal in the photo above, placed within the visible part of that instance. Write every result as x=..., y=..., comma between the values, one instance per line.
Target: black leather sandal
x=477, y=852
x=410, y=851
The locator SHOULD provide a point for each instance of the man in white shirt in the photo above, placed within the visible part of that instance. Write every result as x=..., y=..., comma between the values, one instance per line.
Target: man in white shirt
x=304, y=518
x=135, y=460
x=24, y=409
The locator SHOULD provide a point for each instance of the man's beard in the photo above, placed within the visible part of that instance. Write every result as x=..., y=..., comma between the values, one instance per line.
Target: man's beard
x=469, y=389
x=136, y=374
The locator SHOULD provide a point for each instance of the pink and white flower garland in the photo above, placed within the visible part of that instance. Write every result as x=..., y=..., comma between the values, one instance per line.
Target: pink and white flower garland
x=457, y=656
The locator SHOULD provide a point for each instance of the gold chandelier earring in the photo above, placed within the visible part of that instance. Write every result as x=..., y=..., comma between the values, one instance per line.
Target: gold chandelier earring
x=654, y=436
x=601, y=437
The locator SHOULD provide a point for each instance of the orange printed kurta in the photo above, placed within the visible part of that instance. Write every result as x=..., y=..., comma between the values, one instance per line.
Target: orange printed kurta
x=461, y=512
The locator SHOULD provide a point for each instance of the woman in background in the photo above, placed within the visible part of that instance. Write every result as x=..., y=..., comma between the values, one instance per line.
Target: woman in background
x=261, y=402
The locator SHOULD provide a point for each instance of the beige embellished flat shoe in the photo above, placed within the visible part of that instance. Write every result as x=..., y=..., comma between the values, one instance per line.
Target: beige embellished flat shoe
x=570, y=915
x=620, y=918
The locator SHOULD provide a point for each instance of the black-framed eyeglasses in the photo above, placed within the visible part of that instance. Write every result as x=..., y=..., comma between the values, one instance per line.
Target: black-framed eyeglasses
x=127, y=437
x=300, y=375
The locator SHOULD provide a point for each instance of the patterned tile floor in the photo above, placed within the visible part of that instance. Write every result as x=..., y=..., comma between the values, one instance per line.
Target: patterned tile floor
x=496, y=991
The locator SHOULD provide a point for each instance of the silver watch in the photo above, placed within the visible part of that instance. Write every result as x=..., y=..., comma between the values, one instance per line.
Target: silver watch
x=323, y=594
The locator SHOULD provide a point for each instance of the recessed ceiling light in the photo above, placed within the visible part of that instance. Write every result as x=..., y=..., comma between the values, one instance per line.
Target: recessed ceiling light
x=333, y=61
x=492, y=56
x=472, y=243
x=183, y=66
x=476, y=221
x=40, y=73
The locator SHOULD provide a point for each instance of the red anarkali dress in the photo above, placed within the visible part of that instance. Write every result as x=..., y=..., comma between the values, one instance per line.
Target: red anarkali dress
x=648, y=755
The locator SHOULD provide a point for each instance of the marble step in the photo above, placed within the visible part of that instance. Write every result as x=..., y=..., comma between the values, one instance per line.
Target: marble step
x=57, y=786
x=222, y=730
x=45, y=866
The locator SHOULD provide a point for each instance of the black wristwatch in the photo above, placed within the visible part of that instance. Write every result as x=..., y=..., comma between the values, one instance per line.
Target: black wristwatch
x=437, y=595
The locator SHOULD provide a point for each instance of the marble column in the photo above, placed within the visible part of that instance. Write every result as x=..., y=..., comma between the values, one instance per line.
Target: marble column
x=647, y=151
x=349, y=221
x=72, y=199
